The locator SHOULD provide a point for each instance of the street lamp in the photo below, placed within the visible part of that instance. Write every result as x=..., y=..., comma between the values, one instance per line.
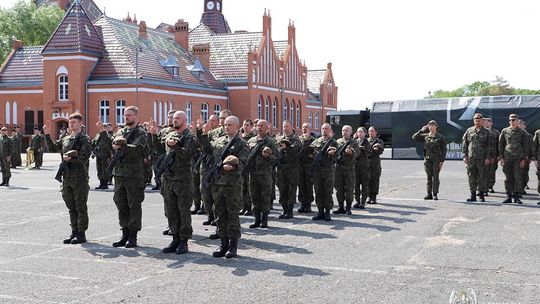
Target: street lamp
x=137, y=51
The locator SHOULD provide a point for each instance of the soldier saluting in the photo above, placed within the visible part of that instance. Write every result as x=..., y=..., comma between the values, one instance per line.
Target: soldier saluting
x=361, y=169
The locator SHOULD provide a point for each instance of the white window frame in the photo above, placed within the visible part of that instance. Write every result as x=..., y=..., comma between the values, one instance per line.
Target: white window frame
x=217, y=109
x=120, y=110
x=189, y=108
x=104, y=113
x=204, y=112
x=63, y=87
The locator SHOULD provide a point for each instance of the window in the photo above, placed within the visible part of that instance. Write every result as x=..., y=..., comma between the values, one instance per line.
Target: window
x=14, y=113
x=28, y=122
x=63, y=88
x=316, y=120
x=259, y=108
x=298, y=115
x=104, y=111
x=274, y=112
x=120, y=109
x=204, y=112
x=217, y=109
x=8, y=112
x=284, y=116
x=267, y=109
x=291, y=117
x=310, y=118
x=188, y=112
x=155, y=111
x=160, y=113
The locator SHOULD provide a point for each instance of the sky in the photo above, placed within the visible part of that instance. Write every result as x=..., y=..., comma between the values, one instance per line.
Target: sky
x=385, y=49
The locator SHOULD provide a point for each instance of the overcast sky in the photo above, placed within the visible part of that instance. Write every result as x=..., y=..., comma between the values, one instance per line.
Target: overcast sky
x=384, y=49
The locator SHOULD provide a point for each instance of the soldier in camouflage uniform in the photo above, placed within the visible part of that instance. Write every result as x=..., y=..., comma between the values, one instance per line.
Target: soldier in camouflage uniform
x=374, y=164
x=477, y=155
x=16, y=138
x=323, y=172
x=492, y=168
x=287, y=168
x=230, y=153
x=129, y=177
x=535, y=151
x=513, y=144
x=526, y=168
x=102, y=148
x=305, y=181
x=76, y=148
x=344, y=175
x=6, y=154
x=434, y=156
x=36, y=143
x=361, y=169
x=178, y=183
x=247, y=134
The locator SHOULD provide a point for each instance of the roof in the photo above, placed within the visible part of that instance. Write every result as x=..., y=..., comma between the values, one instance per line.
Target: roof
x=280, y=47
x=215, y=21
x=90, y=7
x=164, y=27
x=25, y=66
x=314, y=80
x=75, y=34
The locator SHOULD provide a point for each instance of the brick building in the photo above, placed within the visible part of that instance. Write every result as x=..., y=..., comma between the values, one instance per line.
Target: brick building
x=98, y=65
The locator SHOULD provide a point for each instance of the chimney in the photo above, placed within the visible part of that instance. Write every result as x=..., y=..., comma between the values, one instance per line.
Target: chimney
x=142, y=30
x=202, y=52
x=63, y=4
x=292, y=33
x=329, y=66
x=135, y=18
x=181, y=33
x=128, y=19
x=267, y=23
x=16, y=44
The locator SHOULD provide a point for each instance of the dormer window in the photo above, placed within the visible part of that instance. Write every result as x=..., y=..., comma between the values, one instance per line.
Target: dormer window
x=175, y=71
x=171, y=66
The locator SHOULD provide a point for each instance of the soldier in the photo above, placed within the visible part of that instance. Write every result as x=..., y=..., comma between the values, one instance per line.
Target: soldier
x=16, y=139
x=305, y=157
x=130, y=146
x=374, y=164
x=361, y=169
x=259, y=167
x=513, y=144
x=477, y=154
x=535, y=149
x=434, y=156
x=230, y=153
x=287, y=168
x=323, y=171
x=492, y=168
x=178, y=183
x=6, y=153
x=36, y=143
x=344, y=176
x=525, y=169
x=102, y=150
x=247, y=133
x=76, y=148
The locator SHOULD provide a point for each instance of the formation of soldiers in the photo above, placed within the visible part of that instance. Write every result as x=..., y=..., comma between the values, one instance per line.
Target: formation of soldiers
x=483, y=148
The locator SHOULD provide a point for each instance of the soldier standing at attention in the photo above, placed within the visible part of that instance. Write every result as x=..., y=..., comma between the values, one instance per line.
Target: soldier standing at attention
x=361, y=169
x=36, y=143
x=178, y=183
x=492, y=168
x=102, y=146
x=513, y=144
x=525, y=170
x=76, y=148
x=6, y=153
x=287, y=168
x=374, y=164
x=259, y=167
x=305, y=181
x=323, y=171
x=344, y=177
x=129, y=184
x=434, y=156
x=535, y=149
x=247, y=134
x=230, y=154
x=16, y=138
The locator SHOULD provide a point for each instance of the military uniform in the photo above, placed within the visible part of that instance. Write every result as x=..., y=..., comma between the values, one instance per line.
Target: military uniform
x=207, y=188
x=196, y=170
x=102, y=145
x=374, y=168
x=177, y=189
x=246, y=210
x=535, y=152
x=6, y=151
x=526, y=168
x=36, y=143
x=129, y=184
x=287, y=172
x=305, y=181
x=477, y=148
x=362, y=173
x=323, y=177
x=17, y=145
x=344, y=175
x=493, y=166
x=75, y=182
x=513, y=147
x=434, y=153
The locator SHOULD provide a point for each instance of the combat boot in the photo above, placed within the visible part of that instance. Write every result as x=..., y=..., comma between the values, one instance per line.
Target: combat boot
x=233, y=247
x=249, y=212
x=374, y=200
x=508, y=199
x=71, y=237
x=80, y=237
x=308, y=208
x=435, y=198
x=473, y=197
x=319, y=216
x=428, y=196
x=166, y=231
x=481, y=197
x=340, y=210
x=257, y=223
x=243, y=211
x=132, y=239
x=197, y=208
x=491, y=190
x=202, y=211
x=348, y=208
x=264, y=220
x=3, y=182
x=7, y=182
x=208, y=221
x=182, y=247
x=173, y=245
x=327, y=214
x=222, y=249
x=357, y=205
x=214, y=236
x=517, y=200
x=282, y=215
x=302, y=208
x=289, y=214
x=123, y=240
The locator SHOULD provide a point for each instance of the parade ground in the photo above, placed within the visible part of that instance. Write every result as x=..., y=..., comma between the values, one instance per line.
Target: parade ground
x=402, y=250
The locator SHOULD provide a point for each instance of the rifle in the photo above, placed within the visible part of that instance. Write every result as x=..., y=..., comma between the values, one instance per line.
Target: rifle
x=303, y=151
x=341, y=152
x=250, y=163
x=118, y=156
x=215, y=171
x=197, y=160
x=318, y=158
x=168, y=161
x=64, y=164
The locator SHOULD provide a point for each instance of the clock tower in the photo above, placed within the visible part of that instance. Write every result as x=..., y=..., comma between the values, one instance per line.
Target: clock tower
x=213, y=16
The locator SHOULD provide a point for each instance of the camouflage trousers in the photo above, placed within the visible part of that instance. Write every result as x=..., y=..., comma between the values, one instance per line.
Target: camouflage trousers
x=375, y=171
x=492, y=173
x=361, y=179
x=101, y=166
x=287, y=181
x=5, y=165
x=513, y=182
x=178, y=200
x=477, y=173
x=260, y=187
x=305, y=186
x=323, y=182
x=431, y=166
x=246, y=197
x=525, y=175
x=197, y=196
x=128, y=197
x=344, y=185
x=208, y=199
x=227, y=205
x=75, y=195
x=38, y=159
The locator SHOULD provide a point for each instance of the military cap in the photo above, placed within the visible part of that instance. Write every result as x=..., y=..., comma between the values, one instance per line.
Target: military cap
x=478, y=115
x=231, y=160
x=513, y=116
x=4, y=129
x=72, y=153
x=285, y=141
x=267, y=150
x=433, y=122
x=120, y=141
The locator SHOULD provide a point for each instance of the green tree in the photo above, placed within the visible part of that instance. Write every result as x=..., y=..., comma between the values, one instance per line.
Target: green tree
x=498, y=86
x=26, y=22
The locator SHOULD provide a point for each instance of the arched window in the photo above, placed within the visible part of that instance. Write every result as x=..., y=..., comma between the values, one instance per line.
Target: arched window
x=155, y=111
x=298, y=115
x=63, y=88
x=188, y=112
x=165, y=112
x=160, y=113
x=204, y=112
x=293, y=114
x=104, y=111
x=217, y=109
x=259, y=108
x=14, y=113
x=310, y=118
x=8, y=112
x=120, y=109
x=274, y=112
x=267, y=109
x=285, y=110
x=317, y=120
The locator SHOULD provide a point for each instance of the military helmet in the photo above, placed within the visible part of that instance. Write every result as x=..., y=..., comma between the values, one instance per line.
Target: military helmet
x=267, y=150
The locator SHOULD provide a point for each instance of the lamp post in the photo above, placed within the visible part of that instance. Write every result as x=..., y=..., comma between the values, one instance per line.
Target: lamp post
x=137, y=51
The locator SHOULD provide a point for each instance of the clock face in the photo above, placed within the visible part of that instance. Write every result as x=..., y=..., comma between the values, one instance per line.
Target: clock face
x=218, y=6
x=210, y=5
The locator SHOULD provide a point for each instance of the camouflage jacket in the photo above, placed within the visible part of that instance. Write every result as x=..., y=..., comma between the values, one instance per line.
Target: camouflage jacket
x=289, y=157
x=344, y=161
x=6, y=146
x=376, y=152
x=184, y=152
x=76, y=166
x=364, y=151
x=102, y=144
x=132, y=165
x=327, y=160
x=478, y=144
x=513, y=143
x=263, y=165
x=215, y=148
x=305, y=154
x=535, y=147
x=434, y=146
x=37, y=142
x=157, y=143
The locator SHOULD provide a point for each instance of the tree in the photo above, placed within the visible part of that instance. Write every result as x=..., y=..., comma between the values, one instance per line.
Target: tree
x=26, y=22
x=498, y=86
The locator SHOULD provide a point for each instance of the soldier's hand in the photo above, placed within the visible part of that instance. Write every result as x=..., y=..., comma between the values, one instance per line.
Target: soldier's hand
x=200, y=123
x=487, y=162
x=206, y=128
x=228, y=167
x=331, y=151
x=282, y=146
x=116, y=147
x=348, y=151
x=45, y=129
x=465, y=159
x=171, y=142
x=152, y=126
x=66, y=158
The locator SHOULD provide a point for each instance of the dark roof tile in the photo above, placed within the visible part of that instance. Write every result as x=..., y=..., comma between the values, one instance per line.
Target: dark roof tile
x=26, y=65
